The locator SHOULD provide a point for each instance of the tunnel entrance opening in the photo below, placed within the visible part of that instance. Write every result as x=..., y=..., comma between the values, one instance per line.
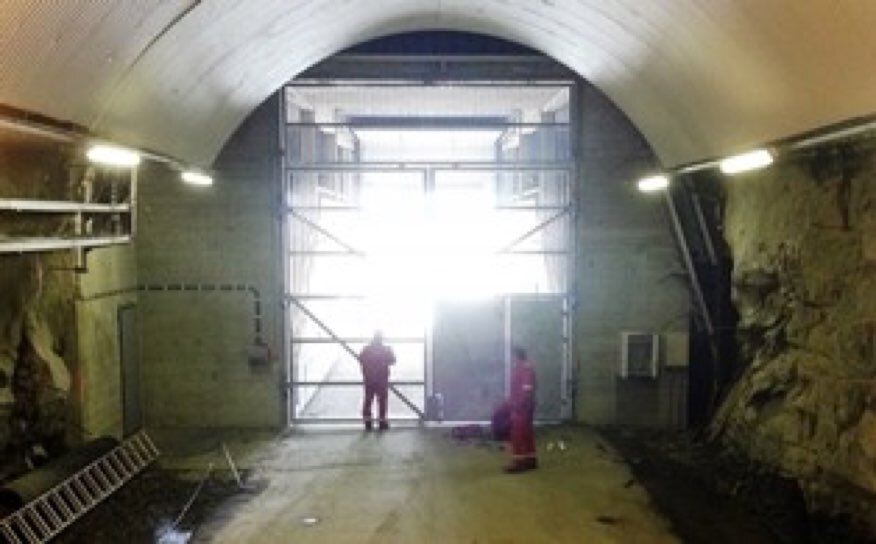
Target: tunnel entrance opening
x=441, y=214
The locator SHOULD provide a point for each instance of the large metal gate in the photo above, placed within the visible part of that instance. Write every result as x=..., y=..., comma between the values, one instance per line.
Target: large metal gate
x=369, y=247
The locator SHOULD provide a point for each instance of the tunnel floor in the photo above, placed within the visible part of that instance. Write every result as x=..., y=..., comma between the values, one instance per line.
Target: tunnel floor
x=422, y=485
x=414, y=485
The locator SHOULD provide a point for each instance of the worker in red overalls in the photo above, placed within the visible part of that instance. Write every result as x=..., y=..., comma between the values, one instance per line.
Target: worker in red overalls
x=375, y=359
x=522, y=408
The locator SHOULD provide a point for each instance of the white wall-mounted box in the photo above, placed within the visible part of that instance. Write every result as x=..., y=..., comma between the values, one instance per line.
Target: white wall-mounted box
x=640, y=355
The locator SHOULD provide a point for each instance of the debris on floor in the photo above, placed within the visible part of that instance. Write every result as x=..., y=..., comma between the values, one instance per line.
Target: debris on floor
x=699, y=486
x=143, y=510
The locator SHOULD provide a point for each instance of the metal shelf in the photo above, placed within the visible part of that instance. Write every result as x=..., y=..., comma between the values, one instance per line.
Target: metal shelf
x=60, y=206
x=33, y=244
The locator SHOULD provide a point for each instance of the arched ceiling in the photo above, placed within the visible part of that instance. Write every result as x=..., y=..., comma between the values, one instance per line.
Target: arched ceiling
x=699, y=78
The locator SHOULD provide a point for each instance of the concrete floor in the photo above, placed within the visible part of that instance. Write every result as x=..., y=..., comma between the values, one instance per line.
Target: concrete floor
x=418, y=485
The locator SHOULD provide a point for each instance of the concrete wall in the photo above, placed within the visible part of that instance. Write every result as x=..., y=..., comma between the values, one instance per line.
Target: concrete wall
x=194, y=346
x=98, y=380
x=626, y=262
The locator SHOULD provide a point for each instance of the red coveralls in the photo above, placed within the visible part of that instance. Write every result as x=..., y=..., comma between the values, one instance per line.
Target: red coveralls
x=522, y=404
x=375, y=360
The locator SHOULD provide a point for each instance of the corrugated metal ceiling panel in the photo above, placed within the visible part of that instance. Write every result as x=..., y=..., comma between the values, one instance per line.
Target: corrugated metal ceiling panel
x=64, y=57
x=700, y=79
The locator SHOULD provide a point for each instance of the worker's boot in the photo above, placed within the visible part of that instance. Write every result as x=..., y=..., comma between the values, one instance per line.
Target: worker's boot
x=521, y=465
x=368, y=426
x=384, y=426
x=515, y=467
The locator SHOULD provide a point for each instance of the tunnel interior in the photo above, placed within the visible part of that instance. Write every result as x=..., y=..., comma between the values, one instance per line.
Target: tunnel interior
x=464, y=194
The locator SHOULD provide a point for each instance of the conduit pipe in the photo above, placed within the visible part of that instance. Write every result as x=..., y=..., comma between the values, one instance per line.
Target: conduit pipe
x=28, y=487
x=196, y=288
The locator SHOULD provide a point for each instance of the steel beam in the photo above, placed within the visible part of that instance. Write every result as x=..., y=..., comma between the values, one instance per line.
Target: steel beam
x=405, y=70
x=704, y=229
x=325, y=232
x=60, y=206
x=360, y=340
x=553, y=166
x=692, y=272
x=507, y=247
x=406, y=383
x=32, y=245
x=426, y=123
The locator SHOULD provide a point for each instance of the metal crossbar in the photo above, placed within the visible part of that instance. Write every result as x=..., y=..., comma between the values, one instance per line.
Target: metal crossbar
x=53, y=511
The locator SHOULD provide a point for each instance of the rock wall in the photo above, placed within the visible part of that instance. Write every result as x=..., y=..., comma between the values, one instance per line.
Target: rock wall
x=803, y=239
x=36, y=310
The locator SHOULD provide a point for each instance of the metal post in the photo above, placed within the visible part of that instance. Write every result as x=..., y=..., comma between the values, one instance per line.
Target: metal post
x=133, y=201
x=704, y=229
x=694, y=277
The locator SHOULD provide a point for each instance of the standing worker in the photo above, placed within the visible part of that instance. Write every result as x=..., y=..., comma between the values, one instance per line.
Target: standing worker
x=375, y=360
x=522, y=408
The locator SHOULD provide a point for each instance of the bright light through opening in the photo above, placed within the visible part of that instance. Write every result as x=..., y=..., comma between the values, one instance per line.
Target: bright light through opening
x=418, y=237
x=421, y=246
x=443, y=248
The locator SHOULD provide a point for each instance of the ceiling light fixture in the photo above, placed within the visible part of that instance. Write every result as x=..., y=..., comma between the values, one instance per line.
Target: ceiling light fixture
x=652, y=184
x=193, y=177
x=746, y=162
x=111, y=155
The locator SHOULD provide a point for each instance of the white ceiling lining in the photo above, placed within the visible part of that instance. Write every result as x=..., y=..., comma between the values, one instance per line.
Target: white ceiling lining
x=699, y=79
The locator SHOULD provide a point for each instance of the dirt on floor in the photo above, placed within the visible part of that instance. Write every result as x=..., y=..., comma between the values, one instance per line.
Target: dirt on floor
x=708, y=494
x=713, y=496
x=146, y=510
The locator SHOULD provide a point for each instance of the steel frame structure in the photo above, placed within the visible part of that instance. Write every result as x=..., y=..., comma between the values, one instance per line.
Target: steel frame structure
x=428, y=170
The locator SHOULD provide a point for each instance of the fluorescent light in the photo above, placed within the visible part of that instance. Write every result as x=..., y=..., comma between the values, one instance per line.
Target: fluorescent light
x=196, y=178
x=111, y=155
x=653, y=184
x=745, y=162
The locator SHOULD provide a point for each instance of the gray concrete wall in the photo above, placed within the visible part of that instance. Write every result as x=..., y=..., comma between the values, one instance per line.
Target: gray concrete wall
x=194, y=346
x=626, y=260
x=98, y=380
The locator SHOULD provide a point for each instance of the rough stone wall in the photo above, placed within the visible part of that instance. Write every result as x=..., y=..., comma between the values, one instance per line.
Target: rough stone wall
x=37, y=337
x=803, y=239
x=626, y=274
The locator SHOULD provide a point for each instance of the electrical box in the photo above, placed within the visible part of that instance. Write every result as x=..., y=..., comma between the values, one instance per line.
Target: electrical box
x=640, y=355
x=677, y=354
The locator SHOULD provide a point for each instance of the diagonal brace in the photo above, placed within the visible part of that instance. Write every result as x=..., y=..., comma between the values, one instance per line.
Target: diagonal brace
x=533, y=230
x=353, y=353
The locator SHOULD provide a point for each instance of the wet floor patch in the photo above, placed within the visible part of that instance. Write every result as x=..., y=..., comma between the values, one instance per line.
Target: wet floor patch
x=146, y=509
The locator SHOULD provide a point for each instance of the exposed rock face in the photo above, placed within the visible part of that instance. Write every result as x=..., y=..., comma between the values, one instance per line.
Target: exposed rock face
x=36, y=308
x=803, y=238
